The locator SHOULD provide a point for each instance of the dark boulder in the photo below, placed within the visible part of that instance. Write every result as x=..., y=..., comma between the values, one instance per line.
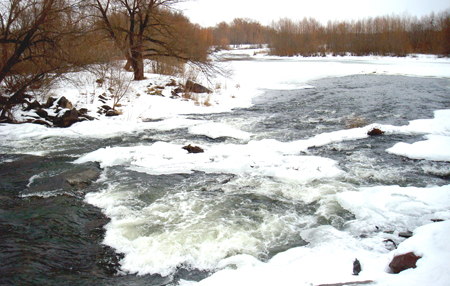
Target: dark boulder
x=33, y=105
x=196, y=88
x=193, y=149
x=64, y=103
x=67, y=119
x=403, y=262
x=375, y=132
x=42, y=113
x=50, y=102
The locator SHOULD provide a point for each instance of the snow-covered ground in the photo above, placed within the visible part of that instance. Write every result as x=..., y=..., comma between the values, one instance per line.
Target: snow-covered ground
x=330, y=253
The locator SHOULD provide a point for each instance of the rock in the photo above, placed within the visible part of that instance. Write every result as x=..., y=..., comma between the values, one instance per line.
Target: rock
x=196, y=88
x=49, y=102
x=64, y=103
x=83, y=178
x=403, y=262
x=112, y=112
x=67, y=119
x=174, y=94
x=375, y=132
x=172, y=82
x=405, y=234
x=106, y=107
x=356, y=267
x=193, y=149
x=41, y=122
x=42, y=113
x=83, y=111
x=102, y=98
x=33, y=105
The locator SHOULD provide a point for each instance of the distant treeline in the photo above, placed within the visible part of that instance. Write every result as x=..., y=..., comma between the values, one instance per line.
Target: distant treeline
x=384, y=35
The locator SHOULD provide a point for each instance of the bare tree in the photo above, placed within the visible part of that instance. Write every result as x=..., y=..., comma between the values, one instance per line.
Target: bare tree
x=144, y=29
x=32, y=36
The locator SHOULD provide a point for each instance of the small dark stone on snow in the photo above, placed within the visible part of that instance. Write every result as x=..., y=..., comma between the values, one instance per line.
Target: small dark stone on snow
x=405, y=234
x=112, y=112
x=375, y=132
x=356, y=267
x=193, y=149
x=106, y=107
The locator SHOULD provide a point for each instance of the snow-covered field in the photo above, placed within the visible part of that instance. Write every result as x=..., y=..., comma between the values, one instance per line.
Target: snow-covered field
x=329, y=255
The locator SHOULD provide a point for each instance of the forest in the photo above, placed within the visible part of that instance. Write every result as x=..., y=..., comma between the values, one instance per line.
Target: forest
x=390, y=35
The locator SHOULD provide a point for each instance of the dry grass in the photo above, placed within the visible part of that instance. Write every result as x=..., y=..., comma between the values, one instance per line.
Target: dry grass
x=355, y=121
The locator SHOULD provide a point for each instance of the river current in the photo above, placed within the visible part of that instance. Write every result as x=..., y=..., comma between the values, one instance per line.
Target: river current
x=136, y=227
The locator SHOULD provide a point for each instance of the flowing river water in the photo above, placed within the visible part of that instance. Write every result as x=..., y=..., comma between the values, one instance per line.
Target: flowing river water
x=136, y=225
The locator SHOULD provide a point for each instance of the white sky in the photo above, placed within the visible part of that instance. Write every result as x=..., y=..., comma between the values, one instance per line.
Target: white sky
x=210, y=12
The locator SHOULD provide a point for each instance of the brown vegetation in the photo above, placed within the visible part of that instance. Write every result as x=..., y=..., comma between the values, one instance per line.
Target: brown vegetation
x=385, y=36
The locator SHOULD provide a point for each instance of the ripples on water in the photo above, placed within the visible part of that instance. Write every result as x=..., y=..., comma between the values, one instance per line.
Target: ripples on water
x=182, y=225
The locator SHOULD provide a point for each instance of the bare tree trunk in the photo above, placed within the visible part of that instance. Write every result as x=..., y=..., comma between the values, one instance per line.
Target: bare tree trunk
x=137, y=64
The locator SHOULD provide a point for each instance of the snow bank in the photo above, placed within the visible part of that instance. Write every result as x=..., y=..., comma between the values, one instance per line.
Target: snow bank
x=329, y=256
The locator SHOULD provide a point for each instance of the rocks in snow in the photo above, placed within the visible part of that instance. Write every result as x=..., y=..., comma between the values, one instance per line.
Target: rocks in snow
x=66, y=113
x=193, y=149
x=403, y=262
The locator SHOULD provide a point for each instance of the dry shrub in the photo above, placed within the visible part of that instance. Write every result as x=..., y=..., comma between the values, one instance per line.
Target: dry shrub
x=166, y=66
x=355, y=121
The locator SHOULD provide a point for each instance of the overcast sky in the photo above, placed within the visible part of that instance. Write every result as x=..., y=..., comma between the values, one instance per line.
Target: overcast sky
x=210, y=12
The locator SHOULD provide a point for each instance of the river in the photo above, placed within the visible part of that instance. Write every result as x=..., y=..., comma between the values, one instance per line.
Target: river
x=155, y=215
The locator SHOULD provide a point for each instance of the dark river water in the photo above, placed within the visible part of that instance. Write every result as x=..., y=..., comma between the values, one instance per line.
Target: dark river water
x=51, y=234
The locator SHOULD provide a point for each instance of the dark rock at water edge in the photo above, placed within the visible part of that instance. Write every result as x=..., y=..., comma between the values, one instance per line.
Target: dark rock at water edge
x=193, y=149
x=375, y=132
x=67, y=119
x=404, y=261
x=83, y=178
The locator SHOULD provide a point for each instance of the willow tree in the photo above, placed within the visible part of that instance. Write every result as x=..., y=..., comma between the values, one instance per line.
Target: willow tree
x=34, y=40
x=143, y=29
